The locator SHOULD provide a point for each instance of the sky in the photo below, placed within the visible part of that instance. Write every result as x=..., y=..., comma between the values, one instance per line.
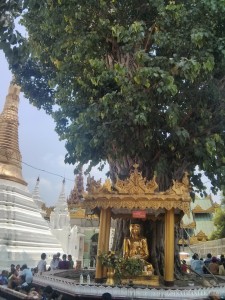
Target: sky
x=40, y=146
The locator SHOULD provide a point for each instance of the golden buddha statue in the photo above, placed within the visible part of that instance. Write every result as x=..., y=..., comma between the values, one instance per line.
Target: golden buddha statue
x=136, y=247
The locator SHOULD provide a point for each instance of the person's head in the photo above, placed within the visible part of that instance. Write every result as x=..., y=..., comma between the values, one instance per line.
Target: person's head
x=69, y=257
x=195, y=256
x=4, y=273
x=209, y=255
x=106, y=296
x=14, y=272
x=64, y=256
x=18, y=267
x=43, y=256
x=24, y=267
x=222, y=256
x=48, y=290
x=58, y=254
x=12, y=268
x=55, y=256
x=214, y=259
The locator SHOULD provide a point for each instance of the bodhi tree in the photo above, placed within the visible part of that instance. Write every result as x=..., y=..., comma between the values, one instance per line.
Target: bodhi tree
x=219, y=222
x=129, y=81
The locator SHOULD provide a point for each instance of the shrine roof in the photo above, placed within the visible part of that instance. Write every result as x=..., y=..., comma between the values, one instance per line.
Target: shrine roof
x=188, y=221
x=203, y=205
x=136, y=192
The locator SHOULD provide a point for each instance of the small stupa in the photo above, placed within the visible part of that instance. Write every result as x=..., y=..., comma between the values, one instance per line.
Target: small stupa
x=24, y=233
x=59, y=217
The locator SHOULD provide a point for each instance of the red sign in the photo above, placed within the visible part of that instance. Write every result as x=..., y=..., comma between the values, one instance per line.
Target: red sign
x=139, y=214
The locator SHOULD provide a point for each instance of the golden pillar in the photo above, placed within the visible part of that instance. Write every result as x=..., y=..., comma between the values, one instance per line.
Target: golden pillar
x=103, y=240
x=169, y=248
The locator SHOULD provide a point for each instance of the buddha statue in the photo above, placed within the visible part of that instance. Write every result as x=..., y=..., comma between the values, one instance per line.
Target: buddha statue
x=136, y=247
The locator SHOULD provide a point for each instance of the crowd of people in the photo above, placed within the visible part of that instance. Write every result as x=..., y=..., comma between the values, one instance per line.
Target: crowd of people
x=20, y=278
x=211, y=265
x=56, y=263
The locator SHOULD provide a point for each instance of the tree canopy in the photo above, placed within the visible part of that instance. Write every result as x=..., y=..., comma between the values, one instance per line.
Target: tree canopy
x=219, y=222
x=135, y=80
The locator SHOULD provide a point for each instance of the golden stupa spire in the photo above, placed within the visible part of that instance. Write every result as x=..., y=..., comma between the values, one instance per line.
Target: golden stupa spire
x=10, y=157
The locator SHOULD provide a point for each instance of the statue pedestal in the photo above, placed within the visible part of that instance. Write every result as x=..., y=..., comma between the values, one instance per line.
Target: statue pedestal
x=152, y=280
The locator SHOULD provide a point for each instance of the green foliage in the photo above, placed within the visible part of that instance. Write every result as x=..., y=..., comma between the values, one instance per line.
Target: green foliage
x=219, y=222
x=124, y=267
x=143, y=80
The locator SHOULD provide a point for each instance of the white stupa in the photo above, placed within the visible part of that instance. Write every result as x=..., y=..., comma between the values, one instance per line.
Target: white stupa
x=60, y=217
x=24, y=233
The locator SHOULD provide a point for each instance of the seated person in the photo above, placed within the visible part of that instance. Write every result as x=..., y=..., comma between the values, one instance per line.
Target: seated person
x=3, y=277
x=13, y=280
x=136, y=247
x=26, y=277
x=214, y=266
x=184, y=266
x=197, y=264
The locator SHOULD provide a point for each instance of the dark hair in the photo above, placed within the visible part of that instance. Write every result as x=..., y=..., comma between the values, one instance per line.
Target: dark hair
x=64, y=256
x=209, y=255
x=214, y=259
x=106, y=296
x=24, y=267
x=43, y=255
x=48, y=289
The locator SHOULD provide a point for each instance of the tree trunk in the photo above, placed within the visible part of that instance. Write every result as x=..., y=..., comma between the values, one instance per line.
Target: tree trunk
x=154, y=231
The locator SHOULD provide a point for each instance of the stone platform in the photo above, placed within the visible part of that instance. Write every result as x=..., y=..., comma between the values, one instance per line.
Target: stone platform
x=73, y=290
x=94, y=291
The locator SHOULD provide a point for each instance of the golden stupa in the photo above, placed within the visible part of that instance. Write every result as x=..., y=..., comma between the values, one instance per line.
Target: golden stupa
x=10, y=157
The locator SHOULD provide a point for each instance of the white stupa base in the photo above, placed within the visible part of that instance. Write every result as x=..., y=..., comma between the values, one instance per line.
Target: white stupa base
x=24, y=233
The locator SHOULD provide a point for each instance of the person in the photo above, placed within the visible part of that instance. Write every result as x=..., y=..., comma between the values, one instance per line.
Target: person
x=13, y=280
x=197, y=264
x=184, y=267
x=42, y=264
x=222, y=260
x=221, y=269
x=136, y=247
x=207, y=261
x=18, y=270
x=214, y=266
x=71, y=261
x=54, y=262
x=12, y=269
x=106, y=296
x=58, y=256
x=26, y=277
x=3, y=278
x=49, y=294
x=64, y=264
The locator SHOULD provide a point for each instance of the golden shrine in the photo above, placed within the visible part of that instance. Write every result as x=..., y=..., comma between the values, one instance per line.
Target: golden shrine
x=138, y=194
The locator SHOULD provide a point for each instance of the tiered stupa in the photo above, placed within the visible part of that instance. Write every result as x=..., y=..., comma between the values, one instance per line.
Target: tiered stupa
x=24, y=234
